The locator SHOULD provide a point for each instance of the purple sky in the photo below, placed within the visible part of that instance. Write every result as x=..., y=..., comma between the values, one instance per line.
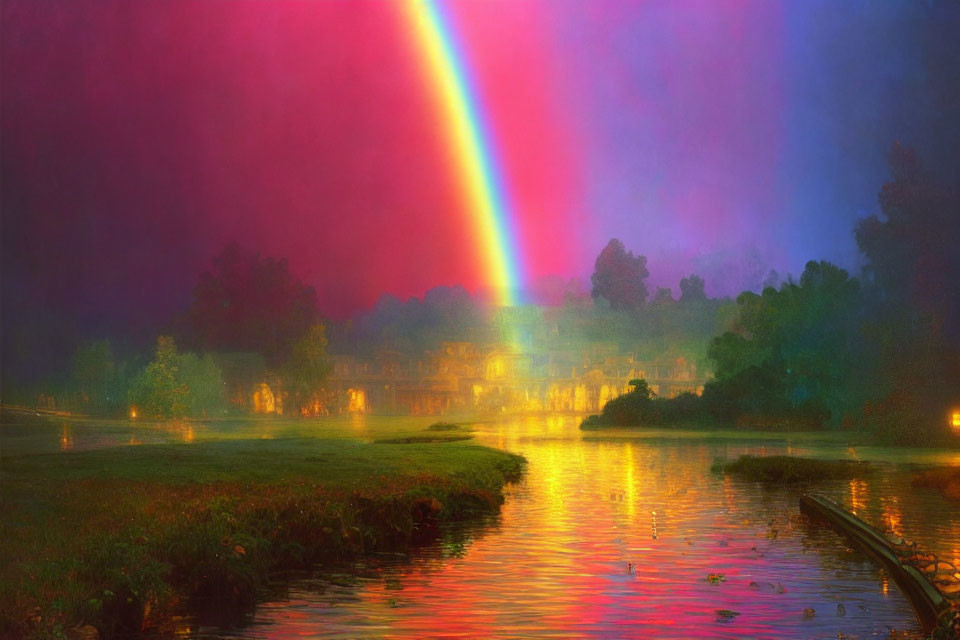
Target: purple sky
x=726, y=138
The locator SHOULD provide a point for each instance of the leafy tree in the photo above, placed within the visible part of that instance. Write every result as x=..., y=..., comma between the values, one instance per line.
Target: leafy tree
x=692, y=289
x=308, y=366
x=913, y=259
x=641, y=388
x=241, y=372
x=95, y=375
x=203, y=379
x=664, y=296
x=412, y=326
x=912, y=249
x=159, y=390
x=641, y=407
x=251, y=303
x=618, y=277
x=796, y=351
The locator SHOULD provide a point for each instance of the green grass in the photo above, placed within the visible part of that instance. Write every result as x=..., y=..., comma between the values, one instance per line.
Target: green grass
x=447, y=426
x=123, y=538
x=424, y=439
x=23, y=432
x=791, y=470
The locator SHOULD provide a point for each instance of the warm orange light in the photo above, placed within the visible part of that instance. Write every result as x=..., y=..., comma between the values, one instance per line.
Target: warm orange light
x=133, y=412
x=357, y=401
x=955, y=419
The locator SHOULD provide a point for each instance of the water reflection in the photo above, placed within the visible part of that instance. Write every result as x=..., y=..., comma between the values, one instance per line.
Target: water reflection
x=629, y=538
x=66, y=437
x=858, y=493
x=608, y=535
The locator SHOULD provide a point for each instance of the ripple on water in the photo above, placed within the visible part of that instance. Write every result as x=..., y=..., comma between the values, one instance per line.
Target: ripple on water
x=555, y=562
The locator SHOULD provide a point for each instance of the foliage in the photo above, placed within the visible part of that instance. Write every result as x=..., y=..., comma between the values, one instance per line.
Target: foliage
x=202, y=377
x=902, y=417
x=308, y=367
x=446, y=426
x=174, y=385
x=157, y=528
x=417, y=325
x=618, y=277
x=241, y=372
x=692, y=289
x=912, y=249
x=251, y=304
x=159, y=390
x=792, y=356
x=426, y=439
x=641, y=407
x=96, y=378
x=790, y=469
x=663, y=296
x=796, y=350
x=655, y=331
x=914, y=263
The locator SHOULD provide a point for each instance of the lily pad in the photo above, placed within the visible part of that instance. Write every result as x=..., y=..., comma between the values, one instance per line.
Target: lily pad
x=726, y=615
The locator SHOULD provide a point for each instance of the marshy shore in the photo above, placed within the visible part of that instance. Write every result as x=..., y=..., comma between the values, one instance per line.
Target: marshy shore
x=116, y=541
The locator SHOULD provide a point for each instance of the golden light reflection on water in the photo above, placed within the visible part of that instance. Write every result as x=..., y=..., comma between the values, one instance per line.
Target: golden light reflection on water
x=358, y=423
x=629, y=481
x=891, y=514
x=858, y=495
x=555, y=563
x=66, y=438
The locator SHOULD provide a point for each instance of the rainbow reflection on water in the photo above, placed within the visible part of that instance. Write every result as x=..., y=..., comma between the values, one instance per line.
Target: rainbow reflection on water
x=555, y=563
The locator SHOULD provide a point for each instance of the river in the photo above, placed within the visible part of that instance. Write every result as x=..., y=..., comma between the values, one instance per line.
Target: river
x=616, y=535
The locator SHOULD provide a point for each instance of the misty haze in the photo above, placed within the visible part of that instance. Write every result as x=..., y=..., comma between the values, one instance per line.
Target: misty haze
x=439, y=318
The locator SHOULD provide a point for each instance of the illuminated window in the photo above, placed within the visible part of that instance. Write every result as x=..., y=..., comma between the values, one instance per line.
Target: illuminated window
x=955, y=419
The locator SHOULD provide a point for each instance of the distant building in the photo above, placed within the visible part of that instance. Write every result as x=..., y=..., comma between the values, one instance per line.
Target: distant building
x=526, y=368
x=463, y=377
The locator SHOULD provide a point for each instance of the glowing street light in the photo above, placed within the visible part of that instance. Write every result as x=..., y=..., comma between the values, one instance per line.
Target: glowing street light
x=955, y=419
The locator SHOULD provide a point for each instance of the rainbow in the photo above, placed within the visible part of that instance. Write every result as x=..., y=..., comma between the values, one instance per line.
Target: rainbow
x=471, y=145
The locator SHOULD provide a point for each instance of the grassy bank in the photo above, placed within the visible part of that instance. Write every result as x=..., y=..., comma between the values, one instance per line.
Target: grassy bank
x=125, y=538
x=791, y=470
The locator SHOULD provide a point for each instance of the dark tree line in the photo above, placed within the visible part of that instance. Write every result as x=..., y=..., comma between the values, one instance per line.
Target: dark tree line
x=879, y=353
x=250, y=317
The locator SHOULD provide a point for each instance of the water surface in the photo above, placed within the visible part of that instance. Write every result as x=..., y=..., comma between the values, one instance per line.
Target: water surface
x=555, y=562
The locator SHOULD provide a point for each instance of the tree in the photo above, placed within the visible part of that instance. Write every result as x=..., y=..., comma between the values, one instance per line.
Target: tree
x=94, y=375
x=251, y=304
x=914, y=263
x=692, y=289
x=308, y=366
x=914, y=248
x=159, y=390
x=641, y=388
x=204, y=381
x=796, y=351
x=618, y=277
x=444, y=314
x=663, y=296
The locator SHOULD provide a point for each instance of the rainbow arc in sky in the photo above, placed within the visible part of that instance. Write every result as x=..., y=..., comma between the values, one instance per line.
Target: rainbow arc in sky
x=472, y=146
